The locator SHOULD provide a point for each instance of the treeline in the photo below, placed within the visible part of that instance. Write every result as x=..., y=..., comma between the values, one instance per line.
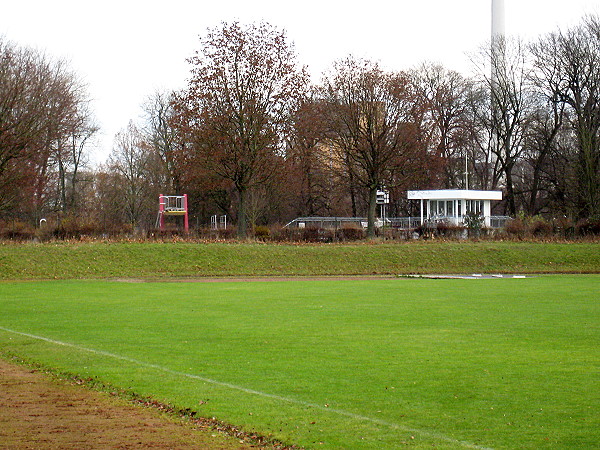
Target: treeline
x=252, y=138
x=45, y=124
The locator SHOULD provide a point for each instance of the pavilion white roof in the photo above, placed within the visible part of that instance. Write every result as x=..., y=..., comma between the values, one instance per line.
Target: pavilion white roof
x=454, y=194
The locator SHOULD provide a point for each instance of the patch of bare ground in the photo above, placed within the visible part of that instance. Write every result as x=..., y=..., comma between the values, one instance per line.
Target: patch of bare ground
x=250, y=279
x=38, y=411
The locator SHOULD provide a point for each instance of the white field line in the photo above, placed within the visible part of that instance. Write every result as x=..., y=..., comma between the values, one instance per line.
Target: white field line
x=341, y=412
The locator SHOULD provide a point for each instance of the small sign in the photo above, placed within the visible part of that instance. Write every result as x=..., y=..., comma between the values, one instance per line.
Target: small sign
x=383, y=197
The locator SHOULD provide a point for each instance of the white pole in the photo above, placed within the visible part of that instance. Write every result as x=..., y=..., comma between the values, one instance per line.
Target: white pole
x=498, y=29
x=497, y=56
x=498, y=44
x=466, y=170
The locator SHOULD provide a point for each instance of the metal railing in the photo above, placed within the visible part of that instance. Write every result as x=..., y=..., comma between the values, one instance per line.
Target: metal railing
x=499, y=221
x=404, y=223
x=174, y=202
x=400, y=223
x=494, y=222
x=325, y=222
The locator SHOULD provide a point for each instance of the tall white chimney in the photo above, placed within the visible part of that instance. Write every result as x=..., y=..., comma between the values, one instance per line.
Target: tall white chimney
x=498, y=43
x=497, y=61
x=497, y=19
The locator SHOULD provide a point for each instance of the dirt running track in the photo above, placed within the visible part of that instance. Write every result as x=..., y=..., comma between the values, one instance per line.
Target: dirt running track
x=39, y=412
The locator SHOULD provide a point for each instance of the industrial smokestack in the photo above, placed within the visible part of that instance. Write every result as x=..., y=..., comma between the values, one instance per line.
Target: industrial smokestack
x=497, y=19
x=498, y=64
x=498, y=41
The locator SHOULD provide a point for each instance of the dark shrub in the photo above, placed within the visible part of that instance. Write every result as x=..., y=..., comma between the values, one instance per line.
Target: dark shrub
x=541, y=228
x=447, y=230
x=350, y=234
x=16, y=231
x=516, y=228
x=563, y=226
x=282, y=234
x=313, y=234
x=72, y=227
x=262, y=232
x=588, y=227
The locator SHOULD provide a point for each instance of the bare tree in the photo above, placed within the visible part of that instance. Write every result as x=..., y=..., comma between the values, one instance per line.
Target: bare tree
x=508, y=82
x=43, y=112
x=540, y=143
x=134, y=164
x=23, y=110
x=481, y=166
x=71, y=155
x=309, y=158
x=568, y=71
x=162, y=135
x=446, y=94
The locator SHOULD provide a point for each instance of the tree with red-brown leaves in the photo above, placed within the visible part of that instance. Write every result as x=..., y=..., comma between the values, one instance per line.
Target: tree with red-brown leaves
x=236, y=109
x=44, y=122
x=371, y=122
x=312, y=174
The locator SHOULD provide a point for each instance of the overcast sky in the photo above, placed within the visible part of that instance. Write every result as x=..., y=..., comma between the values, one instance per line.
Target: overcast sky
x=128, y=49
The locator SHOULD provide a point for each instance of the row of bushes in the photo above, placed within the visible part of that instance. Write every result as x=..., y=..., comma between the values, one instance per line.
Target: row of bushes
x=270, y=234
x=526, y=227
x=70, y=228
x=77, y=230
x=519, y=228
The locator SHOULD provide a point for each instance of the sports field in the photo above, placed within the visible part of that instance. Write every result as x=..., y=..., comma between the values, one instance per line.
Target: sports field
x=486, y=363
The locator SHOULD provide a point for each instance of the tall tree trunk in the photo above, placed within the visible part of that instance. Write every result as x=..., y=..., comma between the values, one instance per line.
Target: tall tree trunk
x=241, y=227
x=510, y=193
x=353, y=197
x=63, y=186
x=351, y=182
x=372, y=212
x=589, y=169
x=535, y=188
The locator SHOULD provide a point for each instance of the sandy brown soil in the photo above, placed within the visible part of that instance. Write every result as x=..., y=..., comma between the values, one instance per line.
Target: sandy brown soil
x=40, y=412
x=249, y=279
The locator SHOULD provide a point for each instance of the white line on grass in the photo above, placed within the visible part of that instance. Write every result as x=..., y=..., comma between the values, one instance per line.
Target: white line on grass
x=341, y=412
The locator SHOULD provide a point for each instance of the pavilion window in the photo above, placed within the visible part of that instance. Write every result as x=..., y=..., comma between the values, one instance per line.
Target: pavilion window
x=474, y=206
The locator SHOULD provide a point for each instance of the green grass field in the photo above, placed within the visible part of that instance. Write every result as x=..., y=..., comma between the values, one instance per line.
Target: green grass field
x=498, y=363
x=185, y=259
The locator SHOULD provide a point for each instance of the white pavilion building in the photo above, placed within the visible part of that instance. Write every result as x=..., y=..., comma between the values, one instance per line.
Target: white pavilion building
x=451, y=205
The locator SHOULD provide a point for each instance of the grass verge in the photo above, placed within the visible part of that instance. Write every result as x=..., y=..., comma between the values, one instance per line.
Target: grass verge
x=149, y=260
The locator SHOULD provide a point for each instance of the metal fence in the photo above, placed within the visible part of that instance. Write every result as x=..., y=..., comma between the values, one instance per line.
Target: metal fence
x=499, y=221
x=400, y=223
x=404, y=223
x=326, y=222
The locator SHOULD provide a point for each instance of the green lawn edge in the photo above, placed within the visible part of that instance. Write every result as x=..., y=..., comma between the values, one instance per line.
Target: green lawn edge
x=101, y=260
